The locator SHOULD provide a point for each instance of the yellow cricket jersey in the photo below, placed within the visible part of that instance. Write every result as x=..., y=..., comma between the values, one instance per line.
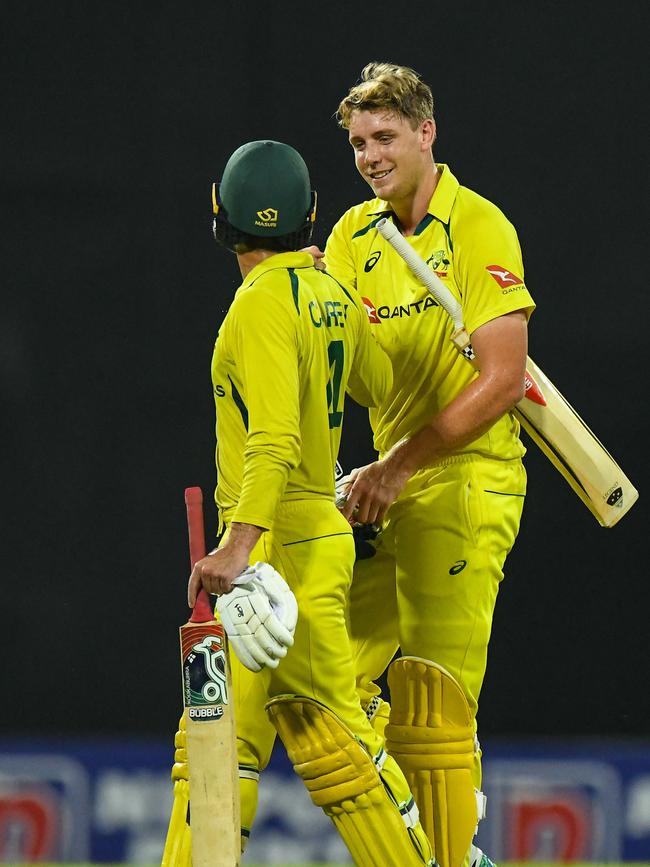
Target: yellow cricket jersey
x=474, y=249
x=293, y=341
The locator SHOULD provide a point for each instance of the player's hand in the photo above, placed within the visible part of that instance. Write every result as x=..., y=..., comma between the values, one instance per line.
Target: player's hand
x=216, y=572
x=317, y=255
x=372, y=490
x=341, y=489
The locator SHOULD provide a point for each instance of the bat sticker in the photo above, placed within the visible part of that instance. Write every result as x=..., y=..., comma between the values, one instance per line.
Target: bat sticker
x=205, y=688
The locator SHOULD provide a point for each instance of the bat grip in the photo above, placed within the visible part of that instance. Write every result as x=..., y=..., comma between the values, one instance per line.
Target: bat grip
x=202, y=611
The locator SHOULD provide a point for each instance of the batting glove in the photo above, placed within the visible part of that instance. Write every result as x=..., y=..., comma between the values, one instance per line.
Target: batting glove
x=259, y=616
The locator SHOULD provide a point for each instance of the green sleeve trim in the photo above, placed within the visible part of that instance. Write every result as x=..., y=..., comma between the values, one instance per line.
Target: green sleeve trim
x=371, y=225
x=239, y=403
x=294, y=287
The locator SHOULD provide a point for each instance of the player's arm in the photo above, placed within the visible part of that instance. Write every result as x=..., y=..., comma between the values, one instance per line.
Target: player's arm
x=267, y=360
x=501, y=347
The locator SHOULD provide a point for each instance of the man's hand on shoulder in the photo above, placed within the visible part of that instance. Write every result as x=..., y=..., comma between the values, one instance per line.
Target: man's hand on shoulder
x=317, y=255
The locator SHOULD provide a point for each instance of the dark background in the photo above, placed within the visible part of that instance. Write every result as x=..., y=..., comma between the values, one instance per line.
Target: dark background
x=117, y=118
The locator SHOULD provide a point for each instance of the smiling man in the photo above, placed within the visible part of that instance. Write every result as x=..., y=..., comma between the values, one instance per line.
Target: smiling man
x=449, y=485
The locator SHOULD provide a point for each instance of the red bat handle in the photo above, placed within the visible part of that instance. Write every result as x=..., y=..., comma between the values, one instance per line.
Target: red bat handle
x=194, y=507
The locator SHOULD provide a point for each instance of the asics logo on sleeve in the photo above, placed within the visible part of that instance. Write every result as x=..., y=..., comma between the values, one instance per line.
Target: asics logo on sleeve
x=503, y=277
x=372, y=261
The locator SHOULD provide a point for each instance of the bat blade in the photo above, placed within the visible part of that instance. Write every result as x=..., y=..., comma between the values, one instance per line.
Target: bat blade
x=575, y=450
x=209, y=721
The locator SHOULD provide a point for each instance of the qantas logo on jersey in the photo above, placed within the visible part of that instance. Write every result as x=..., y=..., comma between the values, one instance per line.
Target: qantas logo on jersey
x=372, y=261
x=376, y=314
x=504, y=278
x=371, y=310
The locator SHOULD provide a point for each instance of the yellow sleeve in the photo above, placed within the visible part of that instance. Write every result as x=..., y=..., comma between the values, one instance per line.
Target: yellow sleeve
x=371, y=375
x=489, y=267
x=339, y=260
x=266, y=351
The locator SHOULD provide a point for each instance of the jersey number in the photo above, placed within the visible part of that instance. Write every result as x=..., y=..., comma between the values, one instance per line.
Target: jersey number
x=336, y=355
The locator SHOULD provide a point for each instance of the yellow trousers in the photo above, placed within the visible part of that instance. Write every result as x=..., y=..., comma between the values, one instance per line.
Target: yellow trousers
x=432, y=585
x=311, y=546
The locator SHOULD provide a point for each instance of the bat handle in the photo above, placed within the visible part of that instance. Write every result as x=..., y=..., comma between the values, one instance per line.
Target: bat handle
x=202, y=611
x=195, y=530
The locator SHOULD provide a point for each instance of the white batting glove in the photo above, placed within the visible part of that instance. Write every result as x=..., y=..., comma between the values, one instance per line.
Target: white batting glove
x=259, y=616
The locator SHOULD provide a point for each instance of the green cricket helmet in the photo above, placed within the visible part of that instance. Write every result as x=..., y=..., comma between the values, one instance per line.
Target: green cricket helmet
x=264, y=193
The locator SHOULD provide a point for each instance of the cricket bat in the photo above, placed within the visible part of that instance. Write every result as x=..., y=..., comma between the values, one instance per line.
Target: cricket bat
x=547, y=417
x=209, y=720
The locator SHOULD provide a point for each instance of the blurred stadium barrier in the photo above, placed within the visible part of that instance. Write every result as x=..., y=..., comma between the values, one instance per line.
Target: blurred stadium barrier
x=109, y=802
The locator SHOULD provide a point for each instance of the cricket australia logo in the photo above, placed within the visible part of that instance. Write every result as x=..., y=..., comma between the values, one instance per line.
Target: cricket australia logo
x=439, y=262
x=268, y=218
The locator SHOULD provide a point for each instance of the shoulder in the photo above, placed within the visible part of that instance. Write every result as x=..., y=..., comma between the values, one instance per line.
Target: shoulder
x=271, y=291
x=472, y=211
x=271, y=282
x=359, y=219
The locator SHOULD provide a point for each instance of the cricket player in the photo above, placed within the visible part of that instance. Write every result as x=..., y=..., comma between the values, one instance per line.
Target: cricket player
x=291, y=344
x=449, y=485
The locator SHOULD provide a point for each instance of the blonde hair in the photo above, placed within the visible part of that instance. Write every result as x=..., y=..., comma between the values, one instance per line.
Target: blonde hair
x=390, y=87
